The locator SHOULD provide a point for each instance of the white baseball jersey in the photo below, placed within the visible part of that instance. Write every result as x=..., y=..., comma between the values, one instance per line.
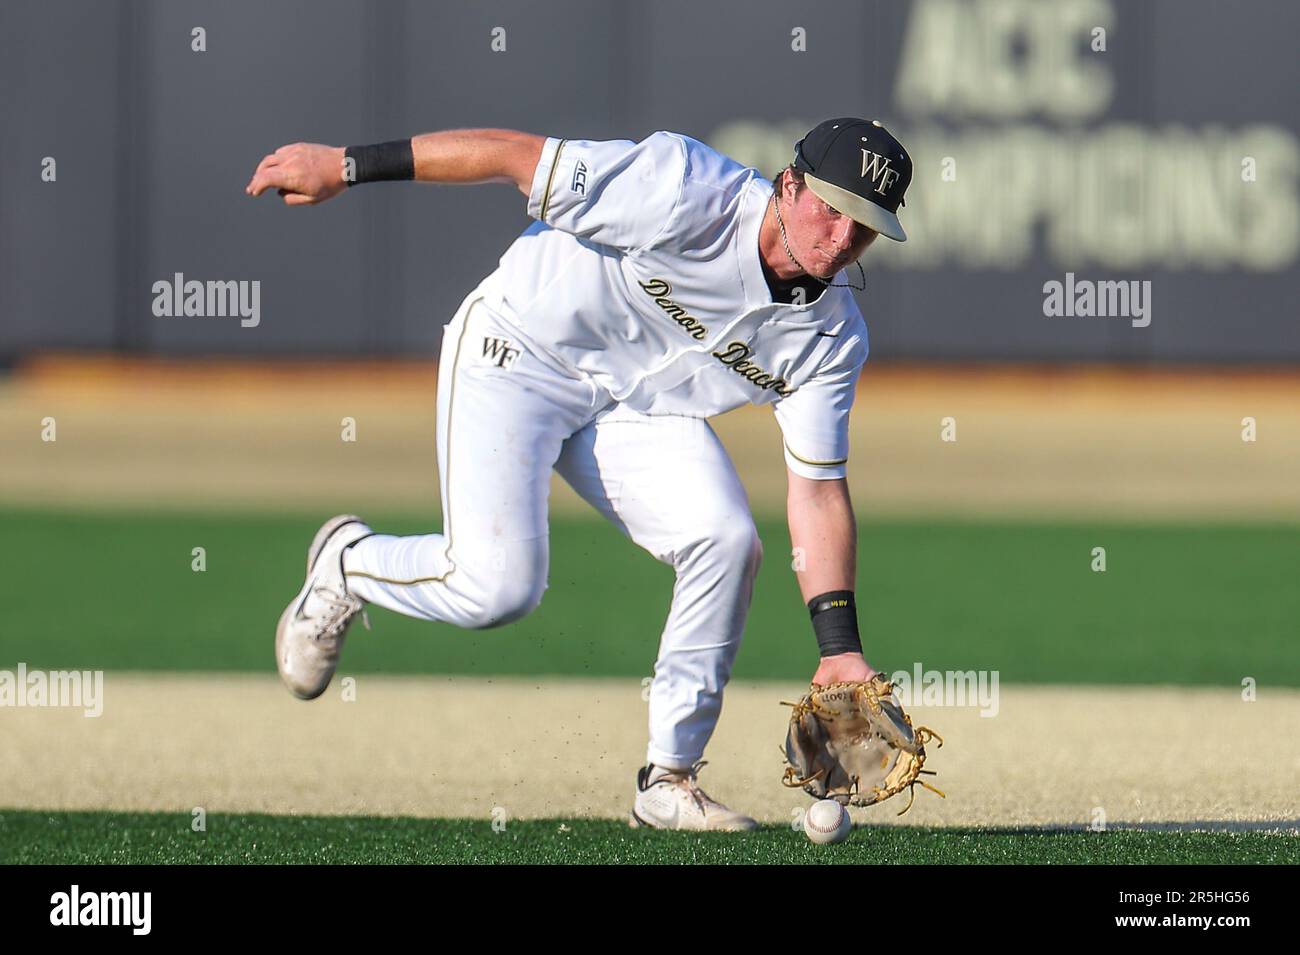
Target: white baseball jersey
x=640, y=308
x=643, y=275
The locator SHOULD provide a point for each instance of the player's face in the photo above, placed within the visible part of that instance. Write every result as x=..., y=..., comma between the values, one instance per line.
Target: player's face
x=823, y=240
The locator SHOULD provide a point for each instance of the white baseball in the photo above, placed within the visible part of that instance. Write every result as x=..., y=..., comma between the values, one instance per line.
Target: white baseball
x=827, y=822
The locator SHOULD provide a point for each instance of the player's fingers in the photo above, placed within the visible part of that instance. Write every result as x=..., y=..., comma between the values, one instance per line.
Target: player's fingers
x=296, y=198
x=268, y=162
x=275, y=177
x=258, y=184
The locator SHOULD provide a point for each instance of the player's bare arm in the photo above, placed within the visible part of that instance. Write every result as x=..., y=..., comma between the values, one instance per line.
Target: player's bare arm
x=478, y=155
x=310, y=173
x=824, y=536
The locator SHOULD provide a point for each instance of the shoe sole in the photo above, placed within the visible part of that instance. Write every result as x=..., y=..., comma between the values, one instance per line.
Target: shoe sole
x=636, y=822
x=327, y=530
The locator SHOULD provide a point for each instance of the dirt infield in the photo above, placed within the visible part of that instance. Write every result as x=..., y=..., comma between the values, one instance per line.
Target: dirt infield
x=1093, y=442
x=430, y=747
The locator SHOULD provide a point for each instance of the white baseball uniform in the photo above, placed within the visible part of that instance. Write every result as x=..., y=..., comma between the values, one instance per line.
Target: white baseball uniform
x=632, y=310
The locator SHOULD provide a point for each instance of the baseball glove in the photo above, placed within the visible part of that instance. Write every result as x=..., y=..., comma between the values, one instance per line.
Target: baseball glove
x=853, y=743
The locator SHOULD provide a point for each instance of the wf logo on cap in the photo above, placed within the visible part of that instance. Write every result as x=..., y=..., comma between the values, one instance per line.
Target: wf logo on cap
x=876, y=167
x=858, y=168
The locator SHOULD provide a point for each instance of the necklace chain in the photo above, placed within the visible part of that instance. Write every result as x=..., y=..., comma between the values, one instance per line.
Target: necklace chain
x=785, y=242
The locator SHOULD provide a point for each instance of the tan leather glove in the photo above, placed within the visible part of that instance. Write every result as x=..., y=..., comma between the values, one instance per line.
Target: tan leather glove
x=853, y=743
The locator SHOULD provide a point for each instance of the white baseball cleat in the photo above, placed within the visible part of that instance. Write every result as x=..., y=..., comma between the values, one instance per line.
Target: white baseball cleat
x=673, y=799
x=310, y=634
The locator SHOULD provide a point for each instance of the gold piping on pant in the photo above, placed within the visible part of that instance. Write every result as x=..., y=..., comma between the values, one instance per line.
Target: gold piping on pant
x=446, y=518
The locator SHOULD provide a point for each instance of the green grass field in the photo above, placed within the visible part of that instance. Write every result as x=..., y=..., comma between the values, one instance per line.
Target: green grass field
x=1177, y=604
x=147, y=838
x=1191, y=605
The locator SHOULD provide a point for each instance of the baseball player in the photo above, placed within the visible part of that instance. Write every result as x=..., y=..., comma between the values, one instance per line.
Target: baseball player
x=661, y=283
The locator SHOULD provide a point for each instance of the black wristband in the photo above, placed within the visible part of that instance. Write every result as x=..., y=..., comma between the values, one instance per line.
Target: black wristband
x=835, y=621
x=382, y=162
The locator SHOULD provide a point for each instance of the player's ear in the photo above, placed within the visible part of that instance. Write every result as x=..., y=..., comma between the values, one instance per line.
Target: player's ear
x=792, y=182
x=789, y=188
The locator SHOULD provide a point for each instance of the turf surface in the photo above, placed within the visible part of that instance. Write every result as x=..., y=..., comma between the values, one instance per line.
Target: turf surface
x=1177, y=604
x=146, y=838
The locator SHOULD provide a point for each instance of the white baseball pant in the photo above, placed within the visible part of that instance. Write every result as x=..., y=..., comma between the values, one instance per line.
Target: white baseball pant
x=505, y=419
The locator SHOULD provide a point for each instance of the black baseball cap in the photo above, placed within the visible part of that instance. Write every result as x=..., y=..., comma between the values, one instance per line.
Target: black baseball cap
x=858, y=168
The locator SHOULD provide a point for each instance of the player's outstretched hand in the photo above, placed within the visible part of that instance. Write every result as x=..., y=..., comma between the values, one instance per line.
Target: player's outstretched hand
x=303, y=173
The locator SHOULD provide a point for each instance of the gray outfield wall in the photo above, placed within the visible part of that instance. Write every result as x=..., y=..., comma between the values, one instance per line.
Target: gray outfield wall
x=1169, y=157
